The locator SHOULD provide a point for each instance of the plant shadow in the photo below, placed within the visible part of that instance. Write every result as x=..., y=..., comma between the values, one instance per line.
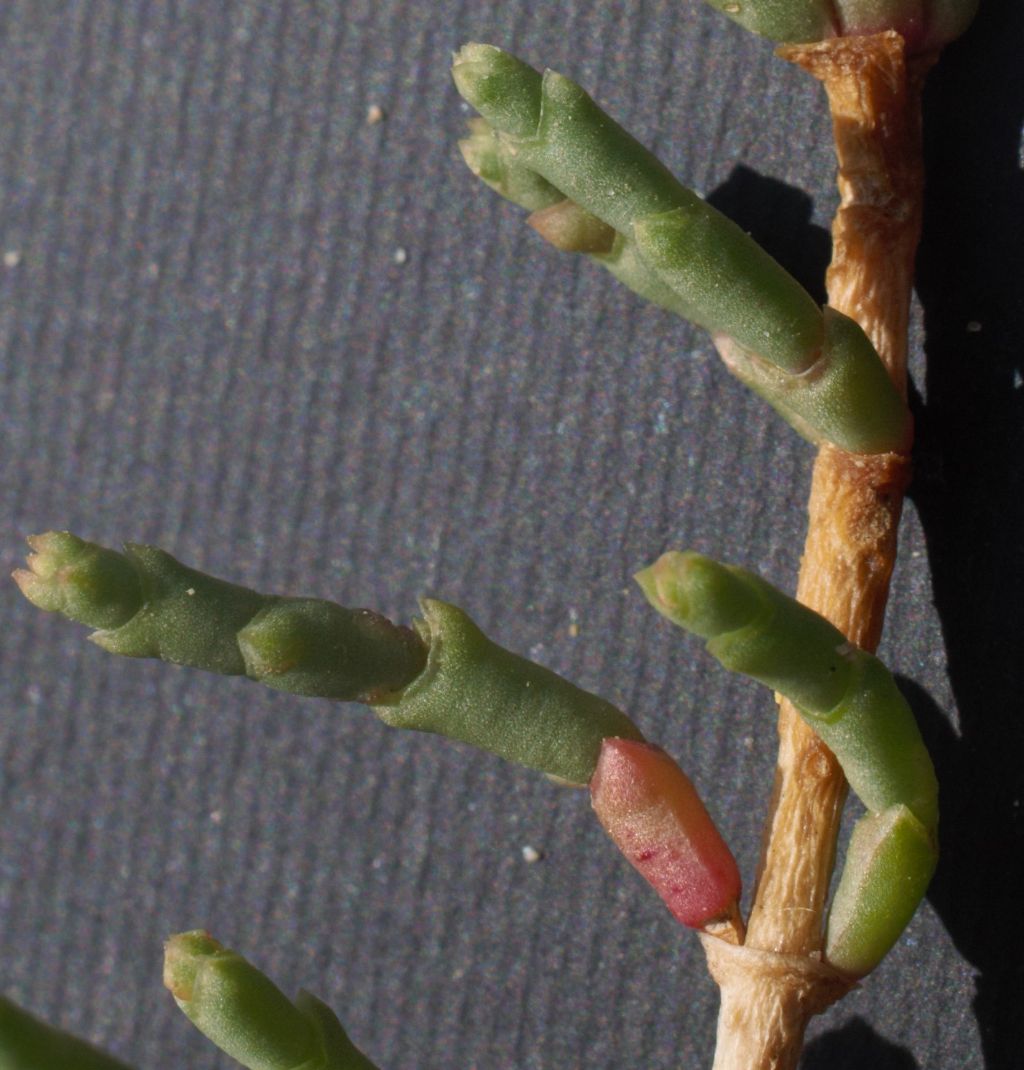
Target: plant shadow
x=969, y=492
x=778, y=218
x=856, y=1046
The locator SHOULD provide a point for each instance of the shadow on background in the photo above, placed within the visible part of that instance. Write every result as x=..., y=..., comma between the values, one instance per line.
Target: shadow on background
x=978, y=888
x=856, y=1047
x=778, y=218
x=969, y=491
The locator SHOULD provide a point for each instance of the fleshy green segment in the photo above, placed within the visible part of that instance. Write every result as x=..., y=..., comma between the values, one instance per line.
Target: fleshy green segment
x=451, y=679
x=85, y=582
x=819, y=371
x=495, y=163
x=312, y=647
x=240, y=1009
x=851, y=700
x=734, y=286
x=791, y=21
x=846, y=694
x=889, y=864
x=29, y=1044
x=847, y=378
x=475, y=691
x=925, y=25
x=504, y=89
x=147, y=604
x=587, y=157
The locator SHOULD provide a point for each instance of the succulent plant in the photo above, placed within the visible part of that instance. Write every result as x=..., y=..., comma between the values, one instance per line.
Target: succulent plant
x=835, y=373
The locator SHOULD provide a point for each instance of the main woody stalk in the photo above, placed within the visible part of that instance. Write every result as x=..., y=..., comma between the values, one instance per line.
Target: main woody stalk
x=777, y=981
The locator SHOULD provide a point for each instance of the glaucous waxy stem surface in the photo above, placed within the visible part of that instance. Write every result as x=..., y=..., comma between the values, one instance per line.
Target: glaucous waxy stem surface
x=247, y=1016
x=447, y=677
x=818, y=370
x=851, y=700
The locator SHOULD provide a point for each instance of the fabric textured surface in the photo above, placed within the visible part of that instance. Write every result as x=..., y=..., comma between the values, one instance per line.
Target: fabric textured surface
x=306, y=351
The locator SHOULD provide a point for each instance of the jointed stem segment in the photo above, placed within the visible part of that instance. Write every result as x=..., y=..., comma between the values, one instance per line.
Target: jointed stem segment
x=545, y=139
x=851, y=701
x=445, y=677
x=247, y=1016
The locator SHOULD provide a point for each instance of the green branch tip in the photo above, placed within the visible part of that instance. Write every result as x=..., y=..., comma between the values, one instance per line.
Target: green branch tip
x=144, y=603
x=445, y=677
x=846, y=694
x=26, y=1043
x=82, y=581
x=500, y=87
x=544, y=144
x=698, y=594
x=851, y=700
x=889, y=865
x=237, y=1007
x=492, y=162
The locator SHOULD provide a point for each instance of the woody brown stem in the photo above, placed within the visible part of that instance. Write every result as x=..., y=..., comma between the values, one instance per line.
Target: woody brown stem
x=853, y=514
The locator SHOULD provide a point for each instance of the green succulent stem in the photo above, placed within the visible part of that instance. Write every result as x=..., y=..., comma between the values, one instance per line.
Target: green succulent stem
x=145, y=604
x=475, y=691
x=927, y=25
x=852, y=702
x=545, y=143
x=26, y=1043
x=445, y=676
x=248, y=1017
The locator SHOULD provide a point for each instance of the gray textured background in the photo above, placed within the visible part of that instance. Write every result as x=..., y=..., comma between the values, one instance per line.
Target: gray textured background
x=207, y=342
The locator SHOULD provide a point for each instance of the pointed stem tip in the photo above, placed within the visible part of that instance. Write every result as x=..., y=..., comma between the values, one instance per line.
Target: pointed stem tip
x=85, y=582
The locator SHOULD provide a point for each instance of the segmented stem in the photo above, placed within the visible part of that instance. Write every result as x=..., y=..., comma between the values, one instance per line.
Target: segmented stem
x=593, y=188
x=445, y=677
x=852, y=702
x=247, y=1016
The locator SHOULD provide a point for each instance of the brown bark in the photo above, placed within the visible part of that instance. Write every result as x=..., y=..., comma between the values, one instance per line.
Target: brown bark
x=854, y=511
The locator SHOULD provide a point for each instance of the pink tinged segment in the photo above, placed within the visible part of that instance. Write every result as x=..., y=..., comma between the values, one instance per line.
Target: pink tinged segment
x=648, y=806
